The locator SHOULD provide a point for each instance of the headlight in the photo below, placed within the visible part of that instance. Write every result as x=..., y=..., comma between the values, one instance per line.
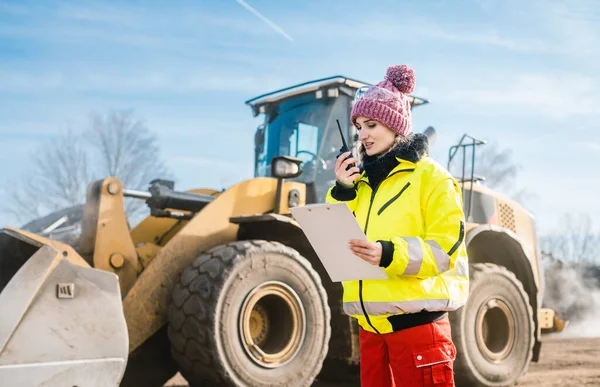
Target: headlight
x=286, y=167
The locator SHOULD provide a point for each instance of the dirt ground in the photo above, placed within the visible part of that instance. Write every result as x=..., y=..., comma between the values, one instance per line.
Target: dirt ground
x=564, y=362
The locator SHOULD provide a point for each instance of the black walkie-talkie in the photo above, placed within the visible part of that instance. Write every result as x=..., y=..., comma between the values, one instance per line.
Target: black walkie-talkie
x=344, y=147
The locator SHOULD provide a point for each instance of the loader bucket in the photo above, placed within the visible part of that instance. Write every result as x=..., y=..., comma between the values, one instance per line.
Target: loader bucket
x=61, y=321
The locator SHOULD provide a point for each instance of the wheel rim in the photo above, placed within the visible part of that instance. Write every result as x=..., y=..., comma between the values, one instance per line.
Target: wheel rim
x=495, y=330
x=272, y=324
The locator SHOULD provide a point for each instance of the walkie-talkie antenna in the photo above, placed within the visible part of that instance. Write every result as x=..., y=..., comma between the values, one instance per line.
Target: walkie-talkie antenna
x=344, y=145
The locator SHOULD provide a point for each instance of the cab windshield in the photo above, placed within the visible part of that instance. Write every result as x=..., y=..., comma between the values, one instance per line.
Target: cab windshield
x=305, y=127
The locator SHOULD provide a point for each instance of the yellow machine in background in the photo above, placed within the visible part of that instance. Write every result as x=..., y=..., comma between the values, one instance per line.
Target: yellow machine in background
x=223, y=285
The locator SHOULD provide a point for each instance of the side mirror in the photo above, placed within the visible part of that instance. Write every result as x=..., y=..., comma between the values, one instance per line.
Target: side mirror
x=284, y=167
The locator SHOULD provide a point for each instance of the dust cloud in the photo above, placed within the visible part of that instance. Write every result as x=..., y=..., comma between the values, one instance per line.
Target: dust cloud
x=573, y=289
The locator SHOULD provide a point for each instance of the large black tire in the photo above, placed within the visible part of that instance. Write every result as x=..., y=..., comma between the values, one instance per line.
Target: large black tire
x=494, y=331
x=338, y=368
x=206, y=314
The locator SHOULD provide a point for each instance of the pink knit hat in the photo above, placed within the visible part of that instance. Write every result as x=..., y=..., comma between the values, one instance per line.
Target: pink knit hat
x=387, y=102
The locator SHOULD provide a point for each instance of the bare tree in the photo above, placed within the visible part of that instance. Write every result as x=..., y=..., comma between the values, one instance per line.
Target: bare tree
x=123, y=147
x=574, y=241
x=498, y=168
x=491, y=162
x=115, y=144
x=57, y=178
x=572, y=271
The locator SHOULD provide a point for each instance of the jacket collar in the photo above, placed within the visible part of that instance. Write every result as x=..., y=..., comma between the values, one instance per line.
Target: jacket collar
x=414, y=150
x=408, y=154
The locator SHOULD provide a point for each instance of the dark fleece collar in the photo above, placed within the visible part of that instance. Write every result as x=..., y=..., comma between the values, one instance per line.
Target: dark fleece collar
x=377, y=168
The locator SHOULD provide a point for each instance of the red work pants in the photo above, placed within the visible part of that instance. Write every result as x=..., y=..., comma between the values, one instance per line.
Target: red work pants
x=414, y=357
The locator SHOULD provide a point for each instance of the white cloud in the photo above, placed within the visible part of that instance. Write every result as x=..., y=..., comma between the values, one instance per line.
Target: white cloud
x=195, y=31
x=21, y=81
x=182, y=81
x=213, y=172
x=486, y=38
x=199, y=161
x=381, y=29
x=97, y=12
x=566, y=28
x=593, y=146
x=575, y=23
x=555, y=96
x=66, y=34
x=242, y=83
x=537, y=27
x=12, y=9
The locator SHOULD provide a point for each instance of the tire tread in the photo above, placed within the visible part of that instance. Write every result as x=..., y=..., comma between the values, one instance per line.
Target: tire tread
x=462, y=368
x=197, y=354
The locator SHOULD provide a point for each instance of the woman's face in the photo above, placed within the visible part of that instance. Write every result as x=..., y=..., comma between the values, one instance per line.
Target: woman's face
x=375, y=136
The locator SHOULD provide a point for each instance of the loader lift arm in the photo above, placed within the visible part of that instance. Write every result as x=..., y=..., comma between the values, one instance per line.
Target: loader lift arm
x=162, y=199
x=103, y=243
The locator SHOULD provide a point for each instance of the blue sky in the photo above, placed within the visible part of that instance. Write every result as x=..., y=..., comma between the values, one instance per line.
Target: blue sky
x=523, y=74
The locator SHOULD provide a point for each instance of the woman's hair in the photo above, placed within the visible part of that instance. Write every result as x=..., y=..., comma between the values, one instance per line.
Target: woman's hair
x=362, y=152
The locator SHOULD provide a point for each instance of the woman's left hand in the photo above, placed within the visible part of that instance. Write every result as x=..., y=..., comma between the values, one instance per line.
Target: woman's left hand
x=369, y=251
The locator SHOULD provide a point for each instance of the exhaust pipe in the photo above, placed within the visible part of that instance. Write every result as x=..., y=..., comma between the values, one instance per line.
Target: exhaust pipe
x=431, y=135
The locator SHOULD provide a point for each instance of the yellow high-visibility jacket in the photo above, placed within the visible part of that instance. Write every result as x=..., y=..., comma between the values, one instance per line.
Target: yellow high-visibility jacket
x=417, y=214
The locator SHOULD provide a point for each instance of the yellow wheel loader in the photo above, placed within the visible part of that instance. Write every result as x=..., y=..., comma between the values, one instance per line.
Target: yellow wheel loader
x=224, y=287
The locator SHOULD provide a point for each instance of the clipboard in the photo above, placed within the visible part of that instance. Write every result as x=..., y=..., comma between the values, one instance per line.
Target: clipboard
x=328, y=228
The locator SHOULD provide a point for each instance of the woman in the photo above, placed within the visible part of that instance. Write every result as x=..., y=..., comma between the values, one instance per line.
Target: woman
x=411, y=212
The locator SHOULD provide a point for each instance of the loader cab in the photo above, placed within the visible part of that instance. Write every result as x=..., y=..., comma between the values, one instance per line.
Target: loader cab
x=300, y=121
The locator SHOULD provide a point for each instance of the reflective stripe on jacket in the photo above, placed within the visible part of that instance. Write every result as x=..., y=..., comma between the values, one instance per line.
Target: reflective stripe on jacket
x=418, y=208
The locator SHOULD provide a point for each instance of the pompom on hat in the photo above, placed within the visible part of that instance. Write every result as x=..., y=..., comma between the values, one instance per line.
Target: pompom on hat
x=388, y=101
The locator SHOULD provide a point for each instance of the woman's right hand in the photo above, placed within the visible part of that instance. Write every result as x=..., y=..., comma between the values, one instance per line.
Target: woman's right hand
x=346, y=177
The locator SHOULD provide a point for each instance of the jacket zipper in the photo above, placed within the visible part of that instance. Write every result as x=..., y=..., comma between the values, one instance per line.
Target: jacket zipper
x=389, y=202
x=461, y=236
x=370, y=206
x=360, y=282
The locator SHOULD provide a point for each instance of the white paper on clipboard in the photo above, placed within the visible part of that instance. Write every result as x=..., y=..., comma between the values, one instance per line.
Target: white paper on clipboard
x=328, y=228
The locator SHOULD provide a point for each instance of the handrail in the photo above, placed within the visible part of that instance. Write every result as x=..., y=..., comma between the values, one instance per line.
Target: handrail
x=452, y=152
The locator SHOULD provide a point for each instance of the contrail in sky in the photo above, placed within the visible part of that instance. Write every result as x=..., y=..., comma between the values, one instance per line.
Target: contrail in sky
x=269, y=22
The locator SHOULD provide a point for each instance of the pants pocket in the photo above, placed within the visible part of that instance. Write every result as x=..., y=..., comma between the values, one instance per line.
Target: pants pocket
x=438, y=375
x=436, y=364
